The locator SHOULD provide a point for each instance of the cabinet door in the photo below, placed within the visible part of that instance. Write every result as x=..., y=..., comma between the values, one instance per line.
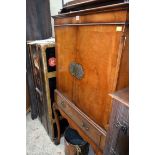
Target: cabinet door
x=117, y=141
x=38, y=80
x=65, y=54
x=97, y=53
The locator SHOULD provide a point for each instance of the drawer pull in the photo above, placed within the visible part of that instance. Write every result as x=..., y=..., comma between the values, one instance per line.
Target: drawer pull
x=63, y=104
x=85, y=126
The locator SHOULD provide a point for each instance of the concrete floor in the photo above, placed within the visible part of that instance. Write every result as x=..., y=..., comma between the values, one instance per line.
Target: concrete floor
x=38, y=142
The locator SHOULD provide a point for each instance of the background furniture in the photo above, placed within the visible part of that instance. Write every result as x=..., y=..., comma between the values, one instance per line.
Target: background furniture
x=117, y=141
x=42, y=56
x=75, y=5
x=38, y=26
x=27, y=99
x=92, y=61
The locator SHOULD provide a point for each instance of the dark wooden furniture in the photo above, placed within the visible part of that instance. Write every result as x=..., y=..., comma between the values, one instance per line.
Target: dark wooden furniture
x=92, y=61
x=117, y=141
x=27, y=99
x=75, y=5
x=40, y=53
x=38, y=26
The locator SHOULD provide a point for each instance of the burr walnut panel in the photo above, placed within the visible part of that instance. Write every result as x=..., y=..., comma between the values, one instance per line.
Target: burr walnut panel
x=97, y=51
x=66, y=48
x=96, y=43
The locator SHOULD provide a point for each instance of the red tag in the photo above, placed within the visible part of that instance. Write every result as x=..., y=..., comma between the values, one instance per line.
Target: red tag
x=52, y=62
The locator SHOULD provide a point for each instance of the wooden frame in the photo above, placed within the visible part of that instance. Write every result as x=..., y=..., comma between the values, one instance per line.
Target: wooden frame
x=46, y=104
x=107, y=27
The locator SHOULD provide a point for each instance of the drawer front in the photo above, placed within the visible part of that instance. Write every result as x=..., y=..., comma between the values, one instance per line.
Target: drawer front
x=62, y=104
x=80, y=120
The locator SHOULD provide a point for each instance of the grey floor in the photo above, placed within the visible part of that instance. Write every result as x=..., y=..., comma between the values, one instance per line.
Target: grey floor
x=38, y=142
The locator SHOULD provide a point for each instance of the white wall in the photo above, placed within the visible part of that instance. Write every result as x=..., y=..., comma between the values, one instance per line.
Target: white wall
x=55, y=6
x=65, y=1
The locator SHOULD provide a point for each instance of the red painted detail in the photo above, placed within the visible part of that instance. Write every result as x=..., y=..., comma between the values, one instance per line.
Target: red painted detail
x=52, y=62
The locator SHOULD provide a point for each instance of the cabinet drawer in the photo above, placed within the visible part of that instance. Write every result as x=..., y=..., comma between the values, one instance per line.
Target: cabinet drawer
x=88, y=126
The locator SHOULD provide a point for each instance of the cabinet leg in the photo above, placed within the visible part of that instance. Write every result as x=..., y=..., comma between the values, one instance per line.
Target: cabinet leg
x=57, y=141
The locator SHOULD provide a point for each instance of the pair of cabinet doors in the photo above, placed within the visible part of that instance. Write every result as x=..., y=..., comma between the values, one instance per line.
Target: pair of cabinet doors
x=101, y=51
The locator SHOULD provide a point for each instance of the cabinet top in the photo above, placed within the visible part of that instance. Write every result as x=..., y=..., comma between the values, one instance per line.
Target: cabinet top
x=73, y=3
x=113, y=7
x=44, y=41
x=50, y=42
x=122, y=96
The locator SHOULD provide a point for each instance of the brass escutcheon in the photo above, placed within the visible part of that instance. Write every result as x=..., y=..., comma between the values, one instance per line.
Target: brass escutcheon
x=76, y=70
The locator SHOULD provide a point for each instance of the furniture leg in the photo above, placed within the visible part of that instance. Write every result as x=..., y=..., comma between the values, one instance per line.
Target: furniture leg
x=57, y=141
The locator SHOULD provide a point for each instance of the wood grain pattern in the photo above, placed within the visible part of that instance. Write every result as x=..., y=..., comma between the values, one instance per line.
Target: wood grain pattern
x=109, y=17
x=123, y=78
x=65, y=47
x=27, y=99
x=91, y=129
x=117, y=141
x=38, y=26
x=102, y=51
x=41, y=77
x=36, y=59
x=122, y=96
x=74, y=125
x=99, y=63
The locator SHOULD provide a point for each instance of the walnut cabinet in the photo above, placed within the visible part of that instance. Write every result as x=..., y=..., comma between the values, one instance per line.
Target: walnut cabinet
x=92, y=61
